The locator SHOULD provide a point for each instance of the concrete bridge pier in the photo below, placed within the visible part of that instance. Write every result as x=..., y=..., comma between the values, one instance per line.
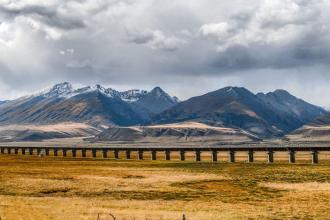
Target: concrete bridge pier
x=140, y=154
x=2, y=150
x=315, y=157
x=9, y=150
x=128, y=154
x=94, y=153
x=153, y=155
x=197, y=155
x=231, y=156
x=47, y=152
x=31, y=151
x=270, y=156
x=74, y=152
x=292, y=156
x=214, y=155
x=104, y=153
x=38, y=151
x=83, y=152
x=182, y=155
x=250, y=156
x=167, y=154
x=116, y=152
x=23, y=151
x=16, y=150
x=64, y=152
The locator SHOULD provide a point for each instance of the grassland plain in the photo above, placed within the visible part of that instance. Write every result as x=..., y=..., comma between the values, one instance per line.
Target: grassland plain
x=67, y=188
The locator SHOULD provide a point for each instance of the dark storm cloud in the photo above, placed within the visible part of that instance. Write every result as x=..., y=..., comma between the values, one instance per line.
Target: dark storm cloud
x=46, y=15
x=178, y=45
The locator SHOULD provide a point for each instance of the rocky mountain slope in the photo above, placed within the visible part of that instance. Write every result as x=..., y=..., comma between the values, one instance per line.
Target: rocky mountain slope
x=93, y=105
x=174, y=133
x=43, y=132
x=317, y=130
x=265, y=115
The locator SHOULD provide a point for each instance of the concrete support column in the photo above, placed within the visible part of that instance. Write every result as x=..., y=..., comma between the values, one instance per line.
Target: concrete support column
x=231, y=156
x=140, y=154
x=31, y=151
x=55, y=152
x=16, y=150
x=128, y=154
x=167, y=154
x=292, y=156
x=2, y=150
x=214, y=155
x=83, y=152
x=74, y=152
x=9, y=150
x=250, y=156
x=116, y=152
x=182, y=155
x=64, y=151
x=93, y=152
x=38, y=151
x=315, y=157
x=153, y=155
x=270, y=156
x=197, y=155
x=47, y=152
x=23, y=151
x=104, y=153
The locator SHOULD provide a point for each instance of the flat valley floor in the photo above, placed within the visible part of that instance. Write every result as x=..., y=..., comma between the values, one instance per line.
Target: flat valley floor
x=66, y=188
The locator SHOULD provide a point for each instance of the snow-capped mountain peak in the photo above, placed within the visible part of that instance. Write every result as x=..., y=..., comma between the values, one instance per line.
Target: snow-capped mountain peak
x=58, y=90
x=65, y=90
x=132, y=95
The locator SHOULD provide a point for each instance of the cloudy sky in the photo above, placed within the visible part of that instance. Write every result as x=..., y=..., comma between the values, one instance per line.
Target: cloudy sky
x=186, y=47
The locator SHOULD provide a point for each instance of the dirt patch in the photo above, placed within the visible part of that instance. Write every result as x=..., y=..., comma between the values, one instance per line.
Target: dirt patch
x=313, y=186
x=133, y=177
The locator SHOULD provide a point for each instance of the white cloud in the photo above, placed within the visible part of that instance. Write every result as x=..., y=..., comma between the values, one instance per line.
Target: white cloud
x=122, y=43
x=219, y=30
x=68, y=51
x=272, y=23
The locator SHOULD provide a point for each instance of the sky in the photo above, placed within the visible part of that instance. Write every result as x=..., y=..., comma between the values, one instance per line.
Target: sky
x=186, y=47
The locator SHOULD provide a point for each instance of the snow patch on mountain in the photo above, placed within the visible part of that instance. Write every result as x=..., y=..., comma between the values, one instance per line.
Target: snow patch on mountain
x=65, y=90
x=132, y=95
x=57, y=90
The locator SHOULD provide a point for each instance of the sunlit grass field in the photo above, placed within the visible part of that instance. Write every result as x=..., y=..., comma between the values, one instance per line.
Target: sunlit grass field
x=73, y=188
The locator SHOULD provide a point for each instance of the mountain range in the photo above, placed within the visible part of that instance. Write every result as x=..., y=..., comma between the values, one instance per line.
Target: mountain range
x=272, y=114
x=265, y=115
x=94, y=105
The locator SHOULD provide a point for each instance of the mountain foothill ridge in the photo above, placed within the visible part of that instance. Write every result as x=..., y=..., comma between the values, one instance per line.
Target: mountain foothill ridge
x=264, y=115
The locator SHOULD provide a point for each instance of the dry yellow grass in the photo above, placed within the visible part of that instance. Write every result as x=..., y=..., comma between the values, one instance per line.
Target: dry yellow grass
x=67, y=188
